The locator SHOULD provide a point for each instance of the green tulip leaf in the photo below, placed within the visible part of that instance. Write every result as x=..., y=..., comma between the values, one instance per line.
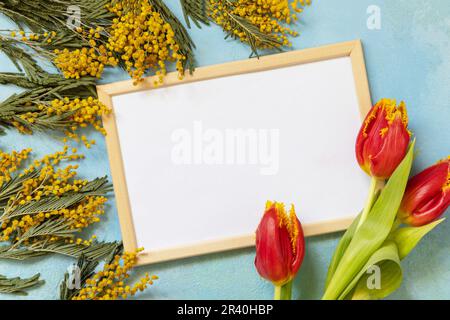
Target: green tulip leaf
x=407, y=238
x=340, y=250
x=379, y=277
x=343, y=244
x=387, y=260
x=373, y=232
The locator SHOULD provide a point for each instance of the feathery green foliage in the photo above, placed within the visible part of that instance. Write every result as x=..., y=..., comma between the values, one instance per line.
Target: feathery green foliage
x=97, y=187
x=47, y=15
x=86, y=269
x=196, y=11
x=19, y=104
x=95, y=251
x=18, y=285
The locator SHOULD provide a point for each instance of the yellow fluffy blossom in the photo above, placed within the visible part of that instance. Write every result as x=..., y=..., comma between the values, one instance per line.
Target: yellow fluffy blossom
x=87, y=61
x=111, y=282
x=84, y=62
x=80, y=113
x=143, y=40
x=44, y=179
x=139, y=38
x=10, y=162
x=85, y=112
x=270, y=16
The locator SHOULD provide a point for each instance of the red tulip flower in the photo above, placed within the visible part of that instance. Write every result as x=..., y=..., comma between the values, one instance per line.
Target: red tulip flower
x=427, y=195
x=280, y=245
x=383, y=140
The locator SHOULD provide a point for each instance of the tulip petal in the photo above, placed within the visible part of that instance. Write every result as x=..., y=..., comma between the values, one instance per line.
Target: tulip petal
x=430, y=211
x=427, y=195
x=393, y=150
x=280, y=244
x=369, y=139
x=383, y=139
x=273, y=249
x=423, y=187
x=374, y=137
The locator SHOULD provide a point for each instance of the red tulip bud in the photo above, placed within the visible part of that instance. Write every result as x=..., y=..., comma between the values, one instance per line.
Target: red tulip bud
x=280, y=244
x=427, y=195
x=383, y=140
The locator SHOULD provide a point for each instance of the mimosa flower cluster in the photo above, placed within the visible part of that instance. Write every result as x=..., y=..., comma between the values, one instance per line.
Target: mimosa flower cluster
x=139, y=38
x=143, y=39
x=80, y=113
x=271, y=17
x=10, y=163
x=111, y=282
x=44, y=204
x=44, y=181
x=85, y=61
x=85, y=112
x=74, y=64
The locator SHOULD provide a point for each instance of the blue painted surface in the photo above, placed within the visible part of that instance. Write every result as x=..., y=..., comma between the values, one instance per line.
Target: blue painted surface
x=407, y=59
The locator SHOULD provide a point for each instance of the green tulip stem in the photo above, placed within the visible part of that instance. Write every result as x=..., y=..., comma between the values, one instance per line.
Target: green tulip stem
x=283, y=292
x=369, y=202
x=396, y=225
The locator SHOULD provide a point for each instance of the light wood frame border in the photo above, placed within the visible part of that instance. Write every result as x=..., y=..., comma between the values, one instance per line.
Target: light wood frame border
x=352, y=49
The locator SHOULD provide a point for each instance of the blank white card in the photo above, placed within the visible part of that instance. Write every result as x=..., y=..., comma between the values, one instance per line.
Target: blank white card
x=201, y=159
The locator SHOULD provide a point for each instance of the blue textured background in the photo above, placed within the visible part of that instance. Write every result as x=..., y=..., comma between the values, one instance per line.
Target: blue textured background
x=407, y=59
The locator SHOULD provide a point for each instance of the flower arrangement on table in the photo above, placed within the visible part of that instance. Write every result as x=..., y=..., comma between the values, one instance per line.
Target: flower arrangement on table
x=397, y=215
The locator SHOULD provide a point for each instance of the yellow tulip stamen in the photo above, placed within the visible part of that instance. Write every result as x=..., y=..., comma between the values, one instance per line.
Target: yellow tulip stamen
x=390, y=107
x=446, y=186
x=384, y=131
x=392, y=112
x=372, y=116
x=293, y=228
x=286, y=220
x=269, y=204
x=404, y=113
x=281, y=213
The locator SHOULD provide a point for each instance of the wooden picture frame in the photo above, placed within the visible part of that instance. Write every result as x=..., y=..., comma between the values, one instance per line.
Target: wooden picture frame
x=352, y=49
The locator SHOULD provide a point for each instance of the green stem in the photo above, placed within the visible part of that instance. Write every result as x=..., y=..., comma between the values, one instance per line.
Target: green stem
x=369, y=202
x=283, y=292
x=397, y=223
